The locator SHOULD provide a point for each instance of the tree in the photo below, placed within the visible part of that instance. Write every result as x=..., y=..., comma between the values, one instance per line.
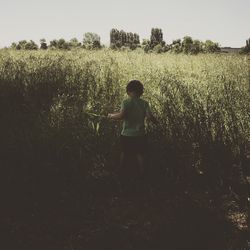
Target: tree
x=248, y=43
x=146, y=45
x=21, y=44
x=43, y=44
x=133, y=40
x=136, y=39
x=62, y=44
x=53, y=44
x=31, y=45
x=187, y=44
x=156, y=41
x=119, y=39
x=13, y=46
x=190, y=46
x=246, y=49
x=59, y=44
x=210, y=47
x=74, y=43
x=158, y=48
x=115, y=39
x=156, y=37
x=176, y=46
x=165, y=48
x=196, y=47
x=91, y=41
x=123, y=37
x=25, y=45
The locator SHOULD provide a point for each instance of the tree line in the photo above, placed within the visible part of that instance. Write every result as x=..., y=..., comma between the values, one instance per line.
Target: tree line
x=90, y=41
x=121, y=40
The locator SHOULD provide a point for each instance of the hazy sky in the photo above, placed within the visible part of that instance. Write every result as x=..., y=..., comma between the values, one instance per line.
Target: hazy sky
x=224, y=21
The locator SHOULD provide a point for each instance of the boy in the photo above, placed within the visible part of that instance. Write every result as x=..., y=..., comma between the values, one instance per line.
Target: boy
x=133, y=112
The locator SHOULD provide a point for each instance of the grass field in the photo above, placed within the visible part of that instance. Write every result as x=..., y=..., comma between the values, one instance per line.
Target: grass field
x=200, y=101
x=50, y=135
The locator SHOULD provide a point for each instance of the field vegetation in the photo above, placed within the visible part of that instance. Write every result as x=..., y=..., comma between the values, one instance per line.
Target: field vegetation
x=58, y=150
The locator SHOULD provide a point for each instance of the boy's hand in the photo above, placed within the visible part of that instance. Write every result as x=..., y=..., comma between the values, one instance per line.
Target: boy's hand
x=116, y=116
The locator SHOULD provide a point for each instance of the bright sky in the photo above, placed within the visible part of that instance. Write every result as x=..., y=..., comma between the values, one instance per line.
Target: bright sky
x=223, y=21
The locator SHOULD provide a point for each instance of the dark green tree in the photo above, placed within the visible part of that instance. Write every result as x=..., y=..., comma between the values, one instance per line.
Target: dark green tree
x=187, y=44
x=176, y=46
x=13, y=46
x=43, y=44
x=246, y=49
x=158, y=48
x=210, y=47
x=25, y=45
x=121, y=39
x=21, y=44
x=62, y=44
x=196, y=47
x=91, y=41
x=248, y=43
x=136, y=38
x=146, y=45
x=59, y=44
x=156, y=37
x=74, y=43
x=53, y=44
x=31, y=45
x=115, y=39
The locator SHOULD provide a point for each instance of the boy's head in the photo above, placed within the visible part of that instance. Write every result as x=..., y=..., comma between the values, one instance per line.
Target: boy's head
x=135, y=88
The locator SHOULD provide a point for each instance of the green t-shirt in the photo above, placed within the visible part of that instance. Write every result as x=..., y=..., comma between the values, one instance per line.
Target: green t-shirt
x=135, y=110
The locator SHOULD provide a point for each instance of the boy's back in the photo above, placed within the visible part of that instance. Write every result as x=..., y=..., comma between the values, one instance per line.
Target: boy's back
x=135, y=110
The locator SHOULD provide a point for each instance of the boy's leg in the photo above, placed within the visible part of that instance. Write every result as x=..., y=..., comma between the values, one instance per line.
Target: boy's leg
x=121, y=171
x=122, y=156
x=141, y=163
x=141, y=149
x=121, y=159
x=122, y=166
x=125, y=178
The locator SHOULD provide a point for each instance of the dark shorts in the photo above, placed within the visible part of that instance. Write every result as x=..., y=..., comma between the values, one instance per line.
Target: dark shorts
x=134, y=144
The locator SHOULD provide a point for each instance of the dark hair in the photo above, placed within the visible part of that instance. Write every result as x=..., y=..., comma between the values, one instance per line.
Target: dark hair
x=135, y=86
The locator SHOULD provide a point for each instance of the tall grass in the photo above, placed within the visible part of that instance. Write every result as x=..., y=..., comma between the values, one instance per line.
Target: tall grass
x=202, y=104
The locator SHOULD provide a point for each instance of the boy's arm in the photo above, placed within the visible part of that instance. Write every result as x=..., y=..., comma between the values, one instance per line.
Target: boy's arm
x=117, y=116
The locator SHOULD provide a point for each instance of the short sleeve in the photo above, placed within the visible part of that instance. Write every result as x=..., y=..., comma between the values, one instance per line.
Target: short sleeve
x=124, y=106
